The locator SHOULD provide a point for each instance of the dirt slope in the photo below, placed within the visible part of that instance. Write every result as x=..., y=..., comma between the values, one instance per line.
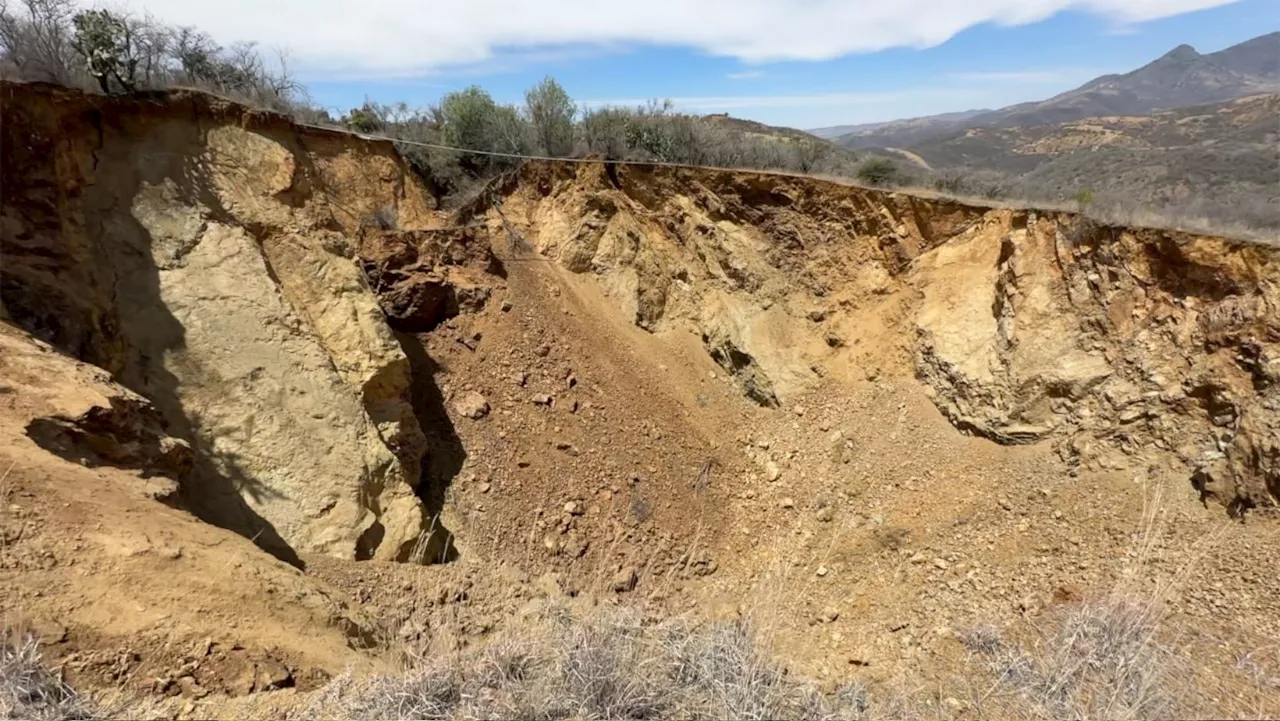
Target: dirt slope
x=119, y=585
x=1023, y=326
x=865, y=420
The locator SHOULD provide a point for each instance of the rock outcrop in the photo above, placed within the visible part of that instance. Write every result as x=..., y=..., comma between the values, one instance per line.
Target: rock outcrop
x=204, y=254
x=1023, y=326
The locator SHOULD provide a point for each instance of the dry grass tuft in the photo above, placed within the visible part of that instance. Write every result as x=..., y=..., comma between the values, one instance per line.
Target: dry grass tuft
x=30, y=692
x=604, y=664
x=1099, y=660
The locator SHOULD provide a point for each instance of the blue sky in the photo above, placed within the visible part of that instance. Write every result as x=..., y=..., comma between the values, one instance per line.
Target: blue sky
x=802, y=63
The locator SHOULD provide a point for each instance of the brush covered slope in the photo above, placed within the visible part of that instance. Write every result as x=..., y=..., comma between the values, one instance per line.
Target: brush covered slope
x=863, y=420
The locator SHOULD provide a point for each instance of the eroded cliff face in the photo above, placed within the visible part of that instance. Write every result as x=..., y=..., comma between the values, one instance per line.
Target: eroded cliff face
x=204, y=254
x=1023, y=326
x=243, y=275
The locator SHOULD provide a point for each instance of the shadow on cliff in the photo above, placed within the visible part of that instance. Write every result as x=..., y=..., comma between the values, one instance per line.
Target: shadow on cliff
x=92, y=289
x=445, y=453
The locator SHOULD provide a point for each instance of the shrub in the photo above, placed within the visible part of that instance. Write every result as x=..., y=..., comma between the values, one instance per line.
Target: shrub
x=35, y=43
x=604, y=131
x=29, y=691
x=808, y=153
x=879, y=172
x=368, y=118
x=1100, y=660
x=551, y=111
x=106, y=44
x=471, y=119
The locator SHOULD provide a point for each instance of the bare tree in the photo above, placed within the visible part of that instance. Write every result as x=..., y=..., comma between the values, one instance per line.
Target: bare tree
x=36, y=40
x=809, y=153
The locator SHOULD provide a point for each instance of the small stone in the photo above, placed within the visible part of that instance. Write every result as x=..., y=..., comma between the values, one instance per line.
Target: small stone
x=471, y=405
x=826, y=514
x=192, y=688
x=941, y=564
x=542, y=399
x=507, y=306
x=771, y=471
x=822, y=571
x=484, y=487
x=543, y=351
x=788, y=503
x=576, y=546
x=573, y=508
x=625, y=580
x=273, y=675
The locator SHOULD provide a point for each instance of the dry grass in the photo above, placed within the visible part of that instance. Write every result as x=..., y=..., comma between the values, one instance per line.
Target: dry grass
x=1098, y=660
x=30, y=692
x=603, y=664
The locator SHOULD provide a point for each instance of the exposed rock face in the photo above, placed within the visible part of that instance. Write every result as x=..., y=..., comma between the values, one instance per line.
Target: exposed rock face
x=210, y=267
x=1023, y=326
x=422, y=277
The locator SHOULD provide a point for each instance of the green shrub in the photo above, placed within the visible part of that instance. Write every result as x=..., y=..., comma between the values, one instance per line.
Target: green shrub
x=879, y=172
x=551, y=111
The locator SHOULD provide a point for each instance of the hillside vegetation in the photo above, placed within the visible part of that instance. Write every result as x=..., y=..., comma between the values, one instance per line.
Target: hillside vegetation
x=1207, y=169
x=1208, y=166
x=1188, y=141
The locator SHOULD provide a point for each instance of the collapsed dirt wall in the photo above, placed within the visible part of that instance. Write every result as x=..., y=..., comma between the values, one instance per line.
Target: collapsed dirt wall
x=203, y=253
x=1023, y=326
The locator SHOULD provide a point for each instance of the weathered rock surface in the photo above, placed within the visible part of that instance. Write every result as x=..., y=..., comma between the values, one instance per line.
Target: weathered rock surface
x=210, y=267
x=93, y=560
x=1024, y=326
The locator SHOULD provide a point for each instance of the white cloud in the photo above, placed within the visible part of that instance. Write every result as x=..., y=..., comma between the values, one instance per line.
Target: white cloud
x=398, y=37
x=746, y=75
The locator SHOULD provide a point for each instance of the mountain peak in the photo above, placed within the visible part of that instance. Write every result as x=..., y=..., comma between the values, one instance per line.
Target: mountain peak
x=1183, y=54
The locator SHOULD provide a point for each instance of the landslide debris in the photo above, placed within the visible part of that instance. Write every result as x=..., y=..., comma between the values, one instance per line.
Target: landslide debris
x=1024, y=326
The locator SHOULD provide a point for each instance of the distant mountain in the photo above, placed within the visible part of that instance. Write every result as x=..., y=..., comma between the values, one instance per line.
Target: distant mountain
x=1220, y=161
x=1180, y=78
x=899, y=131
x=835, y=157
x=1259, y=57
